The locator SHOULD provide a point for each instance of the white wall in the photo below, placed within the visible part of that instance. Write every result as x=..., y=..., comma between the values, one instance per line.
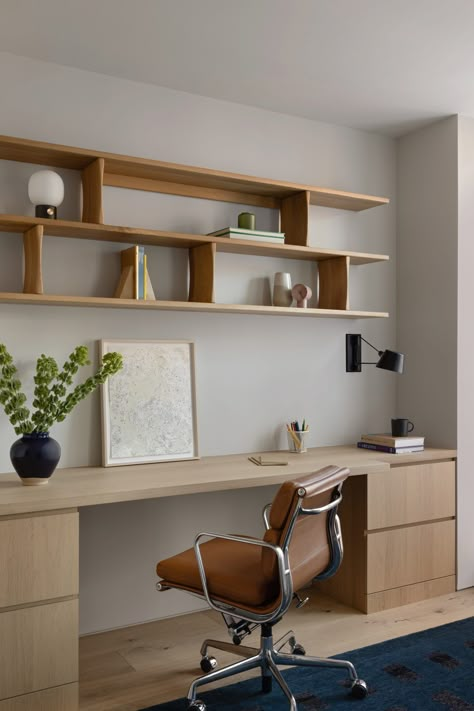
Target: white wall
x=253, y=373
x=427, y=280
x=465, y=350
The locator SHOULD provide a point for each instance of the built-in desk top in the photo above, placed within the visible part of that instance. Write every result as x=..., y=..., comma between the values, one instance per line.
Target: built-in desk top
x=88, y=486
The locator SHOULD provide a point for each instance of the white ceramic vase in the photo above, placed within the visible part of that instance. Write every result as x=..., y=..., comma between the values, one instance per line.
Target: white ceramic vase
x=282, y=289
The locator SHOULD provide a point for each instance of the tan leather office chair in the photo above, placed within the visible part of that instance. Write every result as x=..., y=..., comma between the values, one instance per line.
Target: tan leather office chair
x=252, y=582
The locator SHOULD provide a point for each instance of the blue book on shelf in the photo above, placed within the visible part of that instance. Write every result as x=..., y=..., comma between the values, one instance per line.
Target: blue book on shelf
x=141, y=273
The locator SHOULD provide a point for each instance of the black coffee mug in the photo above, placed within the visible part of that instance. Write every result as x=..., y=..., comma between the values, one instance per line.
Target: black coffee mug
x=401, y=427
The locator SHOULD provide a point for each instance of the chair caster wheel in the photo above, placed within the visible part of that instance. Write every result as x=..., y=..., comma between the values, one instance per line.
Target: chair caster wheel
x=197, y=705
x=236, y=639
x=299, y=649
x=207, y=665
x=359, y=689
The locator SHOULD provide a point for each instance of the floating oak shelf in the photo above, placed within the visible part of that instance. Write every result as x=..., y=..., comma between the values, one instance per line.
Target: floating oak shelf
x=101, y=302
x=158, y=176
x=131, y=235
x=97, y=168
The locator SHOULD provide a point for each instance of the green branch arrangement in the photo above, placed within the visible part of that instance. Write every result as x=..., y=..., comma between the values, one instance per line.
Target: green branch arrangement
x=53, y=397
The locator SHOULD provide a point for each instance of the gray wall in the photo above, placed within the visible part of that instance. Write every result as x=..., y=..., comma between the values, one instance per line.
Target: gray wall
x=465, y=351
x=435, y=297
x=253, y=373
x=427, y=280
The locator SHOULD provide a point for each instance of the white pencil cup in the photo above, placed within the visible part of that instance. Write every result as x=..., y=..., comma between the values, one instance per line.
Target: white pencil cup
x=297, y=441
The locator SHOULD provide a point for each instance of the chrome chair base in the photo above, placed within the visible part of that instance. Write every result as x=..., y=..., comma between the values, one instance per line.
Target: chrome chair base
x=267, y=658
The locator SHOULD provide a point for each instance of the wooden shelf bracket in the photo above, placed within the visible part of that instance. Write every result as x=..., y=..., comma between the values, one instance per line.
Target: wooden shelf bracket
x=92, y=182
x=334, y=283
x=201, y=273
x=294, y=218
x=32, y=246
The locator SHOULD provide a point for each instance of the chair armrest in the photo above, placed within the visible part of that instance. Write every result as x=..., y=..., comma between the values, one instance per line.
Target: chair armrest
x=323, y=509
x=284, y=574
x=266, y=516
x=310, y=512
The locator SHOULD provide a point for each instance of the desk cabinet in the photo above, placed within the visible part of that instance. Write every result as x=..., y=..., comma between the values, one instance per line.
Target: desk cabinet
x=39, y=612
x=398, y=529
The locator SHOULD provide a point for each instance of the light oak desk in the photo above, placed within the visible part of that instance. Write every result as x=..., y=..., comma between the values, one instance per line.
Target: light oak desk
x=398, y=525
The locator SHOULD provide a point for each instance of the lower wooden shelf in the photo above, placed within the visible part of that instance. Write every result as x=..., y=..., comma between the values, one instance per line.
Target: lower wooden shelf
x=110, y=302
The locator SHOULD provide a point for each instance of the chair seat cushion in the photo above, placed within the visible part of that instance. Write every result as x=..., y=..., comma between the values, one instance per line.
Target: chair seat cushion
x=233, y=571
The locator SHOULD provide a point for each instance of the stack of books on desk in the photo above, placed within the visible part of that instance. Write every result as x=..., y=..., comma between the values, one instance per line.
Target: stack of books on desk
x=392, y=445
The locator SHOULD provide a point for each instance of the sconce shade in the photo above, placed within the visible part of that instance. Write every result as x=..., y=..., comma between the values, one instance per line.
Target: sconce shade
x=391, y=360
x=388, y=360
x=46, y=190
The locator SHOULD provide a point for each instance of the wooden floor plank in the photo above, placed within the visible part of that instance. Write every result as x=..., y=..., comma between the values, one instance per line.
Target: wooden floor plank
x=135, y=667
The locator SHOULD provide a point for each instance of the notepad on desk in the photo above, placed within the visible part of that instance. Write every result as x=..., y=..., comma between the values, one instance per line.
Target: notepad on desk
x=261, y=462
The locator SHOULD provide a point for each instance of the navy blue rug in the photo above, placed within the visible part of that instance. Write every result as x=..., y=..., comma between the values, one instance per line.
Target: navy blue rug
x=427, y=671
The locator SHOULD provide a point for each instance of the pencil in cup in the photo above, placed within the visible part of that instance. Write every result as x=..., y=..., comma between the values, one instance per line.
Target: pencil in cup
x=296, y=440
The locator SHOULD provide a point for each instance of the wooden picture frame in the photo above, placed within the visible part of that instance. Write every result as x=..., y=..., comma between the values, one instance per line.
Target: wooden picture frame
x=149, y=407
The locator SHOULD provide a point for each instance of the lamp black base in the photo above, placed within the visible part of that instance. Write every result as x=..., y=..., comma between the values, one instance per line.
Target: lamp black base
x=353, y=353
x=50, y=212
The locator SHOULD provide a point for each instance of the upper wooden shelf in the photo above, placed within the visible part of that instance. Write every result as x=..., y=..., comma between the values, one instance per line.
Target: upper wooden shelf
x=129, y=235
x=158, y=176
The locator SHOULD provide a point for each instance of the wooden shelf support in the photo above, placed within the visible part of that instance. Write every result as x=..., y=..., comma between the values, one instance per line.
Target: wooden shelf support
x=294, y=218
x=32, y=245
x=92, y=182
x=201, y=273
x=334, y=283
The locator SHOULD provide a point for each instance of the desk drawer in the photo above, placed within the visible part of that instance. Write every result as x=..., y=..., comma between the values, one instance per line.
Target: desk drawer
x=60, y=698
x=39, y=558
x=410, y=494
x=404, y=556
x=38, y=648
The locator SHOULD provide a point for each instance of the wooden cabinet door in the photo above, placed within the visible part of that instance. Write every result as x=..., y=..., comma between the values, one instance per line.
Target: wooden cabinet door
x=60, y=698
x=404, y=556
x=39, y=648
x=39, y=558
x=411, y=494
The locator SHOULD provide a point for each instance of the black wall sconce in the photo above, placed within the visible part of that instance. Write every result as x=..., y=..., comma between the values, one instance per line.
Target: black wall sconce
x=388, y=360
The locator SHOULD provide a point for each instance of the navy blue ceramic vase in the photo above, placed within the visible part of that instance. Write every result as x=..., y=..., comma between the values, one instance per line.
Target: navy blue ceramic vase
x=35, y=457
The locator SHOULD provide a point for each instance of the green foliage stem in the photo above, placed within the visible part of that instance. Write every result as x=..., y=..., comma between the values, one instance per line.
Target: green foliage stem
x=53, y=398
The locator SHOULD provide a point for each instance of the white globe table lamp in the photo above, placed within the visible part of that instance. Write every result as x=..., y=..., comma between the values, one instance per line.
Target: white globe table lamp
x=46, y=192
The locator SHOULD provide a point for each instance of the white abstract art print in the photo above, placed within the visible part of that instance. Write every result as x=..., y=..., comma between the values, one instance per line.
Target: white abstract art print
x=149, y=407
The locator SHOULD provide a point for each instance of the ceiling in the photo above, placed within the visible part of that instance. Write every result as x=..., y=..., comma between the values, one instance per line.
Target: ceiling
x=382, y=65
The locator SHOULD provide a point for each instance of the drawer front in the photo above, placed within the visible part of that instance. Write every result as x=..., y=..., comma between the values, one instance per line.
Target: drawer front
x=39, y=648
x=404, y=556
x=396, y=597
x=410, y=494
x=39, y=558
x=61, y=698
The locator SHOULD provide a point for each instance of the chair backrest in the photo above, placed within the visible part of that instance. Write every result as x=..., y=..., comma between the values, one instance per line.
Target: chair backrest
x=310, y=540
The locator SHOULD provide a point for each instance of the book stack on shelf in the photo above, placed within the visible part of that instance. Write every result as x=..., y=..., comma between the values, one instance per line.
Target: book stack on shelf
x=134, y=280
x=392, y=445
x=253, y=235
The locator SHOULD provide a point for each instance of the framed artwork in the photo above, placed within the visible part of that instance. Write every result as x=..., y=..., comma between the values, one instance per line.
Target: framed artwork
x=149, y=407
